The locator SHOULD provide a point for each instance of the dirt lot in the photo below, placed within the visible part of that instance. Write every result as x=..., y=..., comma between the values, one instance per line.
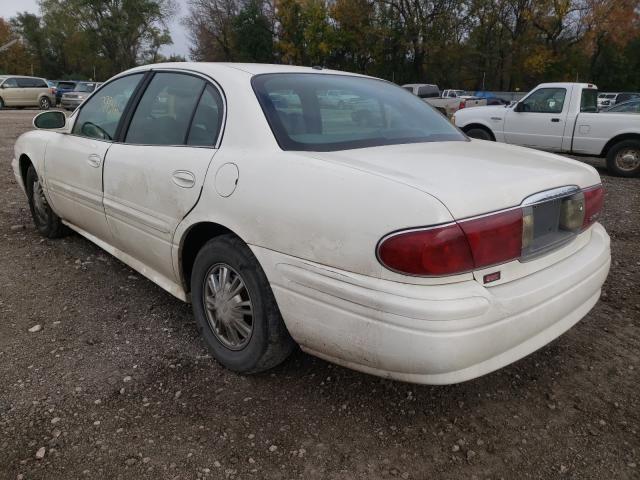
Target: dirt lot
x=117, y=383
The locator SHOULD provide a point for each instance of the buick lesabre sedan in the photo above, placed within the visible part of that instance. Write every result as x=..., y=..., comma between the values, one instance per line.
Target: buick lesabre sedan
x=377, y=237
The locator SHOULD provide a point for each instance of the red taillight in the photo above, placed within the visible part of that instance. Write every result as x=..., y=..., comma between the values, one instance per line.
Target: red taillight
x=434, y=251
x=462, y=105
x=593, y=202
x=478, y=242
x=494, y=238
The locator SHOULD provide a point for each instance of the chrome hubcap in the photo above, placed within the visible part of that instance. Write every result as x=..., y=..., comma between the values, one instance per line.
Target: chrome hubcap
x=628, y=159
x=40, y=205
x=228, y=306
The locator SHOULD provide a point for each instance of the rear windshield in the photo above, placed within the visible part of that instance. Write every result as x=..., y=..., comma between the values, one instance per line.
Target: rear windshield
x=85, y=87
x=589, y=100
x=325, y=112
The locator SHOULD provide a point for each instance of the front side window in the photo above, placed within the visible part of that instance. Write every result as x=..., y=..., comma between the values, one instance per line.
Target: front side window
x=10, y=83
x=545, y=100
x=100, y=115
x=304, y=115
x=165, y=110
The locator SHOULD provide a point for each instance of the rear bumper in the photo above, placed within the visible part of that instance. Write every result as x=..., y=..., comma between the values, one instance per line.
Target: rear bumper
x=436, y=334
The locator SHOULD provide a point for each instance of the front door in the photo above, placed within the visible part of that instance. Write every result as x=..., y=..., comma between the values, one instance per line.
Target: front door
x=74, y=161
x=541, y=121
x=154, y=178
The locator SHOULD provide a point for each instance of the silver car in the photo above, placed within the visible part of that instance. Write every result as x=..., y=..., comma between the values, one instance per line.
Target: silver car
x=71, y=100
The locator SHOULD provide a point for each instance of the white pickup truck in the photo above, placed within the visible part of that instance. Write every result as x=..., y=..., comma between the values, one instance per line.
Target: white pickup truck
x=445, y=104
x=560, y=117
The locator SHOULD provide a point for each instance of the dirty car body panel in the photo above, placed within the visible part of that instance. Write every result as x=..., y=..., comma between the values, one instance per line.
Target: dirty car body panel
x=317, y=213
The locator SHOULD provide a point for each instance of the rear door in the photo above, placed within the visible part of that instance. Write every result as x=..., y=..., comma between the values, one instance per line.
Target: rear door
x=154, y=178
x=541, y=121
x=10, y=92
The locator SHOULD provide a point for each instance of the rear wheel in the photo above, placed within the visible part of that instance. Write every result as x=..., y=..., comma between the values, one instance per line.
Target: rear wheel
x=44, y=218
x=45, y=103
x=479, y=133
x=623, y=158
x=235, y=310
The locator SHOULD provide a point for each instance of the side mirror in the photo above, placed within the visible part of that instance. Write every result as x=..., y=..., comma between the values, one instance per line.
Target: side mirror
x=50, y=120
x=519, y=107
x=3, y=86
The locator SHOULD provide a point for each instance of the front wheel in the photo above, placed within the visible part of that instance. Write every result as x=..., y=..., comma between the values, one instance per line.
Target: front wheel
x=44, y=218
x=235, y=310
x=479, y=133
x=623, y=158
x=45, y=103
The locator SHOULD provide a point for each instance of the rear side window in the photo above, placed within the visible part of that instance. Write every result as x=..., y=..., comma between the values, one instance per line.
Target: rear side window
x=10, y=83
x=589, y=100
x=31, y=83
x=207, y=119
x=165, y=110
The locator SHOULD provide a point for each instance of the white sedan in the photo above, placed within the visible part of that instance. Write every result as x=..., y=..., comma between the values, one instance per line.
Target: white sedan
x=380, y=238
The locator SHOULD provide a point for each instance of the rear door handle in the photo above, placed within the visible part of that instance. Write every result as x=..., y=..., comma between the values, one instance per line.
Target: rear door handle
x=94, y=160
x=183, y=178
x=555, y=120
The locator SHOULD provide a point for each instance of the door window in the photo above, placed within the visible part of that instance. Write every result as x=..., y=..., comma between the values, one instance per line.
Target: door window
x=100, y=115
x=207, y=120
x=589, y=101
x=10, y=83
x=165, y=111
x=545, y=100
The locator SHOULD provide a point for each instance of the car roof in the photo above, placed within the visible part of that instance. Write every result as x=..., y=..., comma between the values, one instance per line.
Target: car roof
x=251, y=69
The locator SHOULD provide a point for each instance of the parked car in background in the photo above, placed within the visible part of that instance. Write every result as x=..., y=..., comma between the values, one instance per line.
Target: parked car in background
x=18, y=91
x=337, y=99
x=80, y=92
x=371, y=240
x=561, y=117
x=632, y=106
x=606, y=100
x=430, y=94
x=64, y=86
x=452, y=93
x=626, y=96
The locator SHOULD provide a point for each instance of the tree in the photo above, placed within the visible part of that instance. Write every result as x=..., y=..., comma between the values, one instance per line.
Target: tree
x=253, y=34
x=14, y=57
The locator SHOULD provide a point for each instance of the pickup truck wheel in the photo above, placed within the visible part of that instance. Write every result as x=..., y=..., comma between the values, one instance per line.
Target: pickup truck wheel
x=479, y=133
x=623, y=158
x=44, y=218
x=235, y=310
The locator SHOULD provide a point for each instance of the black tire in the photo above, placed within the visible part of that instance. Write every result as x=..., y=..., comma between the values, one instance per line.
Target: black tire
x=269, y=342
x=44, y=103
x=1, y=104
x=623, y=158
x=479, y=133
x=44, y=218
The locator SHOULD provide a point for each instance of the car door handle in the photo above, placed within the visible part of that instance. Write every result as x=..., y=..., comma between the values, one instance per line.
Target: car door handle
x=183, y=178
x=555, y=120
x=94, y=160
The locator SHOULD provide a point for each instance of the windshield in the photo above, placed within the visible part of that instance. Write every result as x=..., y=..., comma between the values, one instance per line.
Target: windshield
x=305, y=113
x=85, y=87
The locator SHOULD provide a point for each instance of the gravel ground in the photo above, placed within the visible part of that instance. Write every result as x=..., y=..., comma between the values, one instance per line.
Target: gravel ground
x=117, y=384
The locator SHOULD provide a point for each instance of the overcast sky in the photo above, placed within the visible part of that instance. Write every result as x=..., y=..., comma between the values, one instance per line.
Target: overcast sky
x=9, y=8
